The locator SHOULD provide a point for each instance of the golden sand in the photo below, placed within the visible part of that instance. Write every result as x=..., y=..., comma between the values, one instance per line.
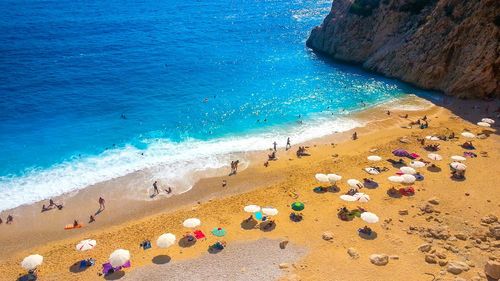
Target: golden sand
x=461, y=205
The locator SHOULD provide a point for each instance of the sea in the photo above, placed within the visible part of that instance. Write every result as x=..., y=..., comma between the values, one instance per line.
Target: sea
x=95, y=90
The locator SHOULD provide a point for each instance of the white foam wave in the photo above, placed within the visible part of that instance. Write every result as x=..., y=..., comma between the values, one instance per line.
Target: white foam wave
x=173, y=163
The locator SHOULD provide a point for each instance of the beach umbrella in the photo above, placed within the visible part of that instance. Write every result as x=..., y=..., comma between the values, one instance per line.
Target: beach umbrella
x=269, y=211
x=31, y=262
x=417, y=164
x=191, y=223
x=408, y=170
x=468, y=135
x=488, y=120
x=119, y=257
x=458, y=166
x=407, y=178
x=435, y=156
x=396, y=179
x=333, y=178
x=218, y=231
x=165, y=240
x=251, y=208
x=298, y=206
x=432, y=138
x=372, y=171
x=484, y=124
x=369, y=217
x=362, y=197
x=348, y=198
x=321, y=178
x=458, y=158
x=374, y=158
x=85, y=245
x=353, y=183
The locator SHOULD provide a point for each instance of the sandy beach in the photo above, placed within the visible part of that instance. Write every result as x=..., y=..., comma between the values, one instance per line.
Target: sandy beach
x=444, y=213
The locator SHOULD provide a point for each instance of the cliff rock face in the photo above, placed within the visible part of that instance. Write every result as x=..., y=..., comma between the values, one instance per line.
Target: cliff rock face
x=446, y=45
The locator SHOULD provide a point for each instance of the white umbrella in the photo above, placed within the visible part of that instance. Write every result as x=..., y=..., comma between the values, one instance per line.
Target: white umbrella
x=417, y=164
x=348, y=198
x=483, y=124
x=322, y=178
x=396, y=179
x=432, y=138
x=251, y=208
x=269, y=211
x=31, y=262
x=458, y=166
x=165, y=240
x=354, y=183
x=488, y=120
x=333, y=178
x=407, y=178
x=85, y=245
x=192, y=222
x=374, y=158
x=362, y=197
x=408, y=170
x=369, y=217
x=468, y=135
x=435, y=156
x=458, y=158
x=119, y=257
x=372, y=171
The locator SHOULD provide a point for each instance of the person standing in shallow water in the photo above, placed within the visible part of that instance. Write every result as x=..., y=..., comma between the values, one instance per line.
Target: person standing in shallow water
x=155, y=188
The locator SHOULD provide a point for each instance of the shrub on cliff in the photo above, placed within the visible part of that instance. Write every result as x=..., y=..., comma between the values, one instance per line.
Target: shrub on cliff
x=364, y=8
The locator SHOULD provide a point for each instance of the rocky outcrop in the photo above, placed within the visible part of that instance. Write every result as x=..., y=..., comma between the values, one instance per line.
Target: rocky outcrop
x=446, y=45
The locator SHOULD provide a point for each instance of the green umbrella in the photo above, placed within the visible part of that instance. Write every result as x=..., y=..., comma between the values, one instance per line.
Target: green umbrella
x=298, y=206
x=218, y=231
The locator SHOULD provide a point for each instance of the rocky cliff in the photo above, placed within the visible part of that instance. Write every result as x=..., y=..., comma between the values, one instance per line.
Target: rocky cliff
x=446, y=45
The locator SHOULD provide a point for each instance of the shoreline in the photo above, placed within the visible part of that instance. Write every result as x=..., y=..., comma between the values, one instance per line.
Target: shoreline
x=139, y=205
x=276, y=185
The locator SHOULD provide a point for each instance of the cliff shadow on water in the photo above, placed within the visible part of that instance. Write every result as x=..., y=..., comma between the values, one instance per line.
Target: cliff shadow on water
x=471, y=110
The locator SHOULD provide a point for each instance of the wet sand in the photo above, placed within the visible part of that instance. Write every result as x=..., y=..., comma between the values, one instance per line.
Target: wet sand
x=125, y=223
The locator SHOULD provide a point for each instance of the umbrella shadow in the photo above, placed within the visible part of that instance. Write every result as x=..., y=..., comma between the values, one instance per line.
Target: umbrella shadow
x=365, y=236
x=248, y=224
x=396, y=164
x=370, y=185
x=296, y=217
x=394, y=193
x=434, y=169
x=267, y=226
x=321, y=189
x=115, y=275
x=25, y=277
x=186, y=242
x=457, y=179
x=75, y=268
x=161, y=259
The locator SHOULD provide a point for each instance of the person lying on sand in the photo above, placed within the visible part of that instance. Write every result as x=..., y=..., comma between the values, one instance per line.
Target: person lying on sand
x=91, y=219
x=432, y=147
x=424, y=125
x=269, y=224
x=468, y=145
x=404, y=116
x=272, y=156
x=365, y=230
x=75, y=223
x=451, y=136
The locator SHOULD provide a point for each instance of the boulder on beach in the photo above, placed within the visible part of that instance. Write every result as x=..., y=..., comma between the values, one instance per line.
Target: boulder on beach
x=379, y=259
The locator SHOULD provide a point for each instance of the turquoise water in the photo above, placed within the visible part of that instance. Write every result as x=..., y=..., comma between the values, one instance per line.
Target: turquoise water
x=98, y=89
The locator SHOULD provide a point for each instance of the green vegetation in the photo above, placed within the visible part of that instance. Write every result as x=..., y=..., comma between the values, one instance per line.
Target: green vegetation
x=364, y=8
x=415, y=6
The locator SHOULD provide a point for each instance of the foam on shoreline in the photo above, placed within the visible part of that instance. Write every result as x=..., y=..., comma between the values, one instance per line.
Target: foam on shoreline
x=173, y=163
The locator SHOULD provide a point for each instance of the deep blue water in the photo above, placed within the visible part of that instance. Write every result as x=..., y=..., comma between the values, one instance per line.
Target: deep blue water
x=87, y=86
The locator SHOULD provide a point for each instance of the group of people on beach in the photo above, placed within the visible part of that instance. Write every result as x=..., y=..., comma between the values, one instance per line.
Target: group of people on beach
x=156, y=190
x=9, y=220
x=51, y=206
x=234, y=167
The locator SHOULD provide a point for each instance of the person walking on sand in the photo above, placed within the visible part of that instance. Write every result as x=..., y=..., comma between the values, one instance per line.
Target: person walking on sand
x=236, y=166
x=155, y=188
x=101, y=204
x=288, y=144
x=232, y=168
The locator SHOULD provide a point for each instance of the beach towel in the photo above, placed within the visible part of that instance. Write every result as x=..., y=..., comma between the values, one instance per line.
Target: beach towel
x=407, y=192
x=107, y=268
x=198, y=234
x=414, y=156
x=71, y=226
x=401, y=153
